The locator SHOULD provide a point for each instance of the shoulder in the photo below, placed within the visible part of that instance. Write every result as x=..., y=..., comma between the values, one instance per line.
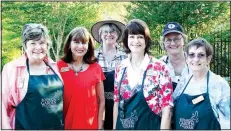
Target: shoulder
x=157, y=64
x=123, y=64
x=95, y=66
x=218, y=83
x=98, y=50
x=61, y=63
x=19, y=62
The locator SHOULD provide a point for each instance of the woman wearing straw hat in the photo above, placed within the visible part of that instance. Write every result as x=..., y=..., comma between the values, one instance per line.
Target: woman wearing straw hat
x=108, y=33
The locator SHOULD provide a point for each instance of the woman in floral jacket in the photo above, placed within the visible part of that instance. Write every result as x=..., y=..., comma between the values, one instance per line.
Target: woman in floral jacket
x=143, y=89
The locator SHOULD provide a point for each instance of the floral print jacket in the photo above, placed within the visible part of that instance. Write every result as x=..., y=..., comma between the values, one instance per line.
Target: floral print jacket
x=157, y=85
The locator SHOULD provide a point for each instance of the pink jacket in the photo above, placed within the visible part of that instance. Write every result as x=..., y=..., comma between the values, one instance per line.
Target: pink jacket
x=14, y=87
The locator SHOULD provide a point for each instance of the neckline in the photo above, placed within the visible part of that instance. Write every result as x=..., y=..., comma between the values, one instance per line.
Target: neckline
x=89, y=66
x=207, y=90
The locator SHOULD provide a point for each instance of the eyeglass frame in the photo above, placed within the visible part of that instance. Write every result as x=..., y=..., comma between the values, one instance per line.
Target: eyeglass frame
x=175, y=40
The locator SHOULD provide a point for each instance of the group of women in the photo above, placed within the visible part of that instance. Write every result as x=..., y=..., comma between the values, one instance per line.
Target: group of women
x=114, y=86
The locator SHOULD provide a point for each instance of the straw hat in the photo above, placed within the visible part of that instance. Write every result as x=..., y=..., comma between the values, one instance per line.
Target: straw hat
x=96, y=26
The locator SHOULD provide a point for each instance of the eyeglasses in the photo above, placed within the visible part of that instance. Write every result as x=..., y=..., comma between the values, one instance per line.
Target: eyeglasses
x=199, y=55
x=110, y=32
x=175, y=40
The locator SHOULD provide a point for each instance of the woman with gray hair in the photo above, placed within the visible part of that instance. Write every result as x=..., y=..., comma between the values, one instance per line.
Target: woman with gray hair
x=202, y=101
x=108, y=33
x=32, y=88
x=172, y=41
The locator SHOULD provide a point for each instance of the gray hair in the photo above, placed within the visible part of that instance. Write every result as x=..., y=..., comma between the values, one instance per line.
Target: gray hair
x=112, y=27
x=34, y=31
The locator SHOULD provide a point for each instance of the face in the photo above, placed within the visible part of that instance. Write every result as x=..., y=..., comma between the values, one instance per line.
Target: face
x=78, y=48
x=197, y=59
x=108, y=36
x=136, y=43
x=174, y=43
x=36, y=50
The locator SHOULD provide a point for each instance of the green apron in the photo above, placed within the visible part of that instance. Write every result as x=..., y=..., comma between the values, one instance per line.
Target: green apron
x=197, y=116
x=109, y=102
x=42, y=106
x=134, y=113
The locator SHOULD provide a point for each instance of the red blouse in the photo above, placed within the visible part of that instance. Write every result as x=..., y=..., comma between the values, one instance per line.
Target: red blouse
x=80, y=98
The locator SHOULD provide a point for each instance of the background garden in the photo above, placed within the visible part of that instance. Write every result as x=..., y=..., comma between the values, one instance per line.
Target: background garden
x=210, y=20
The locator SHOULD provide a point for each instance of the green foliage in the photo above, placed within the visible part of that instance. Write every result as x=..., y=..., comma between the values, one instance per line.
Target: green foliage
x=59, y=17
x=196, y=17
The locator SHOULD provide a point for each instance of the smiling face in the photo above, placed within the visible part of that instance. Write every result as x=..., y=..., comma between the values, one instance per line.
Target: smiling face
x=173, y=43
x=78, y=48
x=36, y=50
x=136, y=43
x=108, y=35
x=197, y=59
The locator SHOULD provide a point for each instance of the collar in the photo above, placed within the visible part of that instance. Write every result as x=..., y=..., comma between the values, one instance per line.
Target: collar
x=119, y=52
x=144, y=63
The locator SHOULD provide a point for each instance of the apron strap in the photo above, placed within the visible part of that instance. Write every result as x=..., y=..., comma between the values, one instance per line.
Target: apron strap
x=28, y=67
x=121, y=82
x=191, y=78
x=208, y=82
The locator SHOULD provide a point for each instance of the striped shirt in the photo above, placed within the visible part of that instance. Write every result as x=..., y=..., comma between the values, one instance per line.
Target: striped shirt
x=106, y=65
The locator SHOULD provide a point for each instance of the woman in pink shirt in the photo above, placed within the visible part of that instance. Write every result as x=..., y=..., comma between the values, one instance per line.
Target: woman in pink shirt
x=32, y=89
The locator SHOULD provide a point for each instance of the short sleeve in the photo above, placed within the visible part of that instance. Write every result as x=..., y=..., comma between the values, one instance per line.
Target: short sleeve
x=166, y=89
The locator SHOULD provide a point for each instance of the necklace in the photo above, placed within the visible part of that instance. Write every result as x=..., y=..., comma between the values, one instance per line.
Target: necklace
x=77, y=70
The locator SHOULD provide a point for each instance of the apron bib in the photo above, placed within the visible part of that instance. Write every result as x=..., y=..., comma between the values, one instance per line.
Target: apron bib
x=195, y=112
x=109, y=101
x=42, y=106
x=134, y=113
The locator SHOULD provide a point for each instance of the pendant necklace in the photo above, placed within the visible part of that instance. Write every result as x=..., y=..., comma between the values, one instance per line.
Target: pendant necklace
x=77, y=70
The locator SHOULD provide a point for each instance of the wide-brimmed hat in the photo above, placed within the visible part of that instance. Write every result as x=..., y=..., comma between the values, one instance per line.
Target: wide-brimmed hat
x=95, y=28
x=172, y=27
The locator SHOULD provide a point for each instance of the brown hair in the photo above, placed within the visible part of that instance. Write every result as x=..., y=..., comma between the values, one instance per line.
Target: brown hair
x=137, y=26
x=79, y=34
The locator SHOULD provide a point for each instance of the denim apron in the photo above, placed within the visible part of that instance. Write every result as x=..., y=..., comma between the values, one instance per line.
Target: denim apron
x=134, y=113
x=197, y=116
x=42, y=106
x=109, y=101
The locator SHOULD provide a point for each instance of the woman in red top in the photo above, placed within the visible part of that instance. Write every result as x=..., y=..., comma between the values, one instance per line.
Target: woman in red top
x=84, y=101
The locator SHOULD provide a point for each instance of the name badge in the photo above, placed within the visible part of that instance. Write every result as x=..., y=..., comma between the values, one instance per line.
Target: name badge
x=198, y=99
x=64, y=69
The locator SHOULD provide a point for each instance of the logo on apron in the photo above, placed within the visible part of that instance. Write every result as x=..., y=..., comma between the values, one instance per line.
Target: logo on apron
x=48, y=102
x=189, y=123
x=130, y=121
